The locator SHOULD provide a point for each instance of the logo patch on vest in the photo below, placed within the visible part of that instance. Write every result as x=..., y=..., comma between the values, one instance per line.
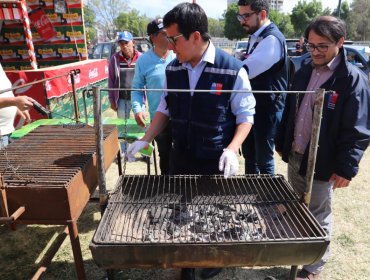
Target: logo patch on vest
x=217, y=87
x=332, y=100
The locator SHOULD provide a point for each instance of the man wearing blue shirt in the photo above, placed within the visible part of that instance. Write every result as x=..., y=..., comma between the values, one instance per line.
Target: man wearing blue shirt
x=150, y=74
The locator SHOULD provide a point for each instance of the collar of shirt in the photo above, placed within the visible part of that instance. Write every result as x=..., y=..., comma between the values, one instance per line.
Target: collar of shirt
x=208, y=56
x=259, y=31
x=194, y=73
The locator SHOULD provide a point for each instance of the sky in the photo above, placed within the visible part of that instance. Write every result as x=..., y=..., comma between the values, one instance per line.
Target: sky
x=213, y=8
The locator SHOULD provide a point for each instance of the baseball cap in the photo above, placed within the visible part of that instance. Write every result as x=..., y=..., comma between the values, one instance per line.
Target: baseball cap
x=154, y=26
x=125, y=36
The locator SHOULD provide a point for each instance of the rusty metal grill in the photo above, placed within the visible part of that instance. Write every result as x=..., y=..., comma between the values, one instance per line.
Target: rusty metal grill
x=205, y=221
x=49, y=176
x=53, y=169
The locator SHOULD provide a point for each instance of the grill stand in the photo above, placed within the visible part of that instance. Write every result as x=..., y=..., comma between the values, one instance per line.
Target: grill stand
x=71, y=230
x=65, y=203
x=319, y=101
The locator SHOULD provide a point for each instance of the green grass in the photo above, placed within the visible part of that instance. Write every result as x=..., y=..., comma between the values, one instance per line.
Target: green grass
x=22, y=250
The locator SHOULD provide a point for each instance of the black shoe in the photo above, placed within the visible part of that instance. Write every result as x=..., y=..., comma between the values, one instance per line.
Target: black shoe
x=210, y=272
x=187, y=274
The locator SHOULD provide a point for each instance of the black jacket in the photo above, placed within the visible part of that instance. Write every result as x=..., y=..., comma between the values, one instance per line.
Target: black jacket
x=345, y=125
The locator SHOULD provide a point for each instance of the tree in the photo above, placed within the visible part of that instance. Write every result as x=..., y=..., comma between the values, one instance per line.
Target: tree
x=89, y=20
x=216, y=27
x=283, y=22
x=344, y=11
x=132, y=22
x=303, y=13
x=106, y=12
x=359, y=20
x=233, y=29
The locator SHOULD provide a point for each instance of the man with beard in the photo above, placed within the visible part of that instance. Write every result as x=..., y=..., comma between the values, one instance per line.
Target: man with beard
x=267, y=65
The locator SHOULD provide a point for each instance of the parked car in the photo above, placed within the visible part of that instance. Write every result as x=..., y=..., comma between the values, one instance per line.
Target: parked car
x=291, y=45
x=357, y=55
x=240, y=49
x=107, y=49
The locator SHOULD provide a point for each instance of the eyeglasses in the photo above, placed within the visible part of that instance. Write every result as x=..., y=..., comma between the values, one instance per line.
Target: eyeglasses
x=320, y=48
x=172, y=40
x=245, y=16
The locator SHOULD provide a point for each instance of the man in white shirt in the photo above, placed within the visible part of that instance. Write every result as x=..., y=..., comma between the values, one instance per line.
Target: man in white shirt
x=267, y=65
x=10, y=106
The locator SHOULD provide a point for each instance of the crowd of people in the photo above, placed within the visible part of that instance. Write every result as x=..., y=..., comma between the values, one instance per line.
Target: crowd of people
x=199, y=132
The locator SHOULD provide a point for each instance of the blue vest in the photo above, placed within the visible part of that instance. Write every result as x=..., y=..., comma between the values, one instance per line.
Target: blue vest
x=275, y=78
x=203, y=124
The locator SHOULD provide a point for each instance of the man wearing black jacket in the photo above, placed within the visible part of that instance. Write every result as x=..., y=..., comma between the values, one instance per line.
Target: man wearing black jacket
x=345, y=127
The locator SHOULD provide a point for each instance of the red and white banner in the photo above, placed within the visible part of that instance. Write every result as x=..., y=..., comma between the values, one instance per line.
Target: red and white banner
x=91, y=71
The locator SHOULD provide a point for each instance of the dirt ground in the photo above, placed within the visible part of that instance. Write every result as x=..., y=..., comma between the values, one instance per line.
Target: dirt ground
x=21, y=251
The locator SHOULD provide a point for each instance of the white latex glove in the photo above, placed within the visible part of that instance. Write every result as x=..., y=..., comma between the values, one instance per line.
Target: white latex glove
x=134, y=148
x=228, y=163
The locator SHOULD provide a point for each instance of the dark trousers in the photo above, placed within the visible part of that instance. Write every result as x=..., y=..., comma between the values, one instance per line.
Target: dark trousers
x=258, y=148
x=164, y=144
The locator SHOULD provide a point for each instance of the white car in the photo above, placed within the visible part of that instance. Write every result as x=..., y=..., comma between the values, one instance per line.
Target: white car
x=240, y=46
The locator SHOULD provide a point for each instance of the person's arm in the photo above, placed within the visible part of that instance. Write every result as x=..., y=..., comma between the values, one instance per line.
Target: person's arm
x=242, y=106
x=137, y=97
x=21, y=102
x=241, y=132
x=354, y=136
x=266, y=54
x=157, y=125
x=112, y=82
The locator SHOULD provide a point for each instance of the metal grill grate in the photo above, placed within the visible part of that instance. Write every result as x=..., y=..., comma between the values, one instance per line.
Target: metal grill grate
x=206, y=221
x=49, y=156
x=205, y=209
x=52, y=171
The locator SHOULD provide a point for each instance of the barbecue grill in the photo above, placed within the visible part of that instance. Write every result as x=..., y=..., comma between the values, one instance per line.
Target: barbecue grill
x=51, y=173
x=206, y=221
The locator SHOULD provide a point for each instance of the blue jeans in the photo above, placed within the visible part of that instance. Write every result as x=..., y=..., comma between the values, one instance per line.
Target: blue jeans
x=258, y=148
x=4, y=141
x=124, y=108
x=320, y=204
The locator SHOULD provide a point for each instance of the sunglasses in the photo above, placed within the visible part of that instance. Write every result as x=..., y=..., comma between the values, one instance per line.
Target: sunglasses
x=172, y=39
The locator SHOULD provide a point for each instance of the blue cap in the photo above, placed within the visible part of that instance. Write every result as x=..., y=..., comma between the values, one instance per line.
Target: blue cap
x=125, y=36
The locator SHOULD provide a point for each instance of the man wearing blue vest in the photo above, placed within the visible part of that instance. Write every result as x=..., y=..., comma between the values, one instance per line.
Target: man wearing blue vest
x=267, y=64
x=209, y=127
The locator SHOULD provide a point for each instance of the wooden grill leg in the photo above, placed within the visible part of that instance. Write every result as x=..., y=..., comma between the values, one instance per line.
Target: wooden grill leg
x=49, y=255
x=293, y=272
x=76, y=248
